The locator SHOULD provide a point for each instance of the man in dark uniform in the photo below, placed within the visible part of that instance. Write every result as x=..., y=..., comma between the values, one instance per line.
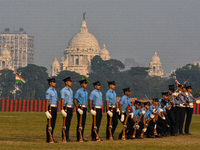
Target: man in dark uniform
x=51, y=108
x=67, y=101
x=111, y=98
x=80, y=102
x=95, y=102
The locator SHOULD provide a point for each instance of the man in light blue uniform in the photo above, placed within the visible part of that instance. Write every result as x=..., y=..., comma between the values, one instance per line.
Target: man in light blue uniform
x=67, y=103
x=95, y=103
x=80, y=102
x=112, y=108
x=123, y=104
x=51, y=107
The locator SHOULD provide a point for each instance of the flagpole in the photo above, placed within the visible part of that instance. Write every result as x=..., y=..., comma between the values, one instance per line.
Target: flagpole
x=15, y=91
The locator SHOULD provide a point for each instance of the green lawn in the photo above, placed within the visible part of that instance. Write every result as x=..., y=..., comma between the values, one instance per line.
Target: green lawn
x=27, y=131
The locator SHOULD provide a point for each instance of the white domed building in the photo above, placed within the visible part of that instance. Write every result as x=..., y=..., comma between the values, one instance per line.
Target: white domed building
x=155, y=66
x=79, y=53
x=6, y=59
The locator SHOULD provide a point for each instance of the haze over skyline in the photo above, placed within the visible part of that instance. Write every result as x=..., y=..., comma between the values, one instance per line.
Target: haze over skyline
x=130, y=29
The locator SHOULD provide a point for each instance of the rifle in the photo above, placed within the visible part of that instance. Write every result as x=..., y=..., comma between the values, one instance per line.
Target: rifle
x=110, y=126
x=95, y=128
x=64, y=126
x=80, y=128
x=145, y=128
x=50, y=128
x=124, y=126
x=134, y=133
x=154, y=130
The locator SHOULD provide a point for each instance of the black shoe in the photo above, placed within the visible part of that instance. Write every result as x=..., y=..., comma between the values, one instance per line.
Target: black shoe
x=156, y=136
x=130, y=137
x=93, y=140
x=68, y=140
x=55, y=141
x=84, y=140
x=150, y=136
x=188, y=133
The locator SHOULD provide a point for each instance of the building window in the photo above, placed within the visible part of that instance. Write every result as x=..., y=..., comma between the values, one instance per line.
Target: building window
x=77, y=61
x=3, y=64
x=154, y=69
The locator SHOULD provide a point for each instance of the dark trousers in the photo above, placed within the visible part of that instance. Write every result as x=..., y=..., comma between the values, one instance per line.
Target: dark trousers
x=170, y=116
x=182, y=118
x=189, y=112
x=114, y=122
x=177, y=119
x=150, y=128
x=83, y=122
x=53, y=122
x=98, y=122
x=129, y=126
x=161, y=126
x=68, y=121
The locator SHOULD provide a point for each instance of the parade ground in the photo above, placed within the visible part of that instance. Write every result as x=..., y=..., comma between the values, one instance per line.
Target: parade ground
x=27, y=131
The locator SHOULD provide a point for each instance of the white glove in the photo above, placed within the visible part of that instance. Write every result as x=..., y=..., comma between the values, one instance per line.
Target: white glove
x=198, y=101
x=191, y=105
x=63, y=113
x=143, y=111
x=110, y=113
x=80, y=111
x=131, y=114
x=152, y=116
x=118, y=111
x=145, y=129
x=179, y=92
x=161, y=110
x=175, y=94
x=136, y=126
x=154, y=110
x=181, y=105
x=122, y=118
x=163, y=118
x=186, y=93
x=93, y=112
x=48, y=114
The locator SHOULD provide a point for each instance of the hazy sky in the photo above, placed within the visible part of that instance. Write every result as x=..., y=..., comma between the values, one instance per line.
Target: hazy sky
x=129, y=28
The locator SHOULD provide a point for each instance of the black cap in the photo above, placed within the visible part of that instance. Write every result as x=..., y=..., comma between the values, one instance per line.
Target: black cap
x=155, y=99
x=97, y=83
x=83, y=81
x=164, y=93
x=67, y=79
x=51, y=80
x=171, y=87
x=146, y=103
x=189, y=87
x=163, y=101
x=137, y=102
x=111, y=82
x=126, y=89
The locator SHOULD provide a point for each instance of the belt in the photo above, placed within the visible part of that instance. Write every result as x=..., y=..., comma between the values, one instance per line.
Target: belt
x=69, y=106
x=112, y=106
x=98, y=107
x=53, y=105
x=84, y=106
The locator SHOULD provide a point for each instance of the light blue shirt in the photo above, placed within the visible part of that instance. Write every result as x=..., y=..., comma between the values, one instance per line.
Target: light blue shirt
x=52, y=96
x=190, y=98
x=184, y=100
x=96, y=97
x=111, y=97
x=167, y=105
x=156, y=108
x=67, y=95
x=136, y=112
x=125, y=101
x=147, y=114
x=81, y=96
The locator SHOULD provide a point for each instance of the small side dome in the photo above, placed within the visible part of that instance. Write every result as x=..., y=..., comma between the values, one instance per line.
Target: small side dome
x=55, y=62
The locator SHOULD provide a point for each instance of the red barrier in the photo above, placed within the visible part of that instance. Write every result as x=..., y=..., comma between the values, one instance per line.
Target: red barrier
x=27, y=106
x=59, y=105
x=7, y=105
x=35, y=105
x=43, y=106
x=39, y=106
x=3, y=103
x=20, y=103
x=16, y=105
x=194, y=109
x=197, y=108
x=31, y=105
x=24, y=105
x=11, y=106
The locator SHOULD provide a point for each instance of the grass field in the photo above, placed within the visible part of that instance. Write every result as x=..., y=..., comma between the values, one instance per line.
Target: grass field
x=27, y=131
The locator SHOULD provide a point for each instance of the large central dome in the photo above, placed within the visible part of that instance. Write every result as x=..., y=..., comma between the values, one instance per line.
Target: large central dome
x=84, y=40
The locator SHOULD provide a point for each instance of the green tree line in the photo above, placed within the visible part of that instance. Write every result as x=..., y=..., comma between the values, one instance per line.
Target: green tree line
x=137, y=78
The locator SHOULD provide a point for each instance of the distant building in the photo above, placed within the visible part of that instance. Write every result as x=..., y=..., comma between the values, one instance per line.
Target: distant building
x=6, y=59
x=196, y=63
x=155, y=66
x=20, y=45
x=79, y=53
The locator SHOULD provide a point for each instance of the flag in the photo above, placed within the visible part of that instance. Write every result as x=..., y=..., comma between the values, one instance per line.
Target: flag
x=19, y=79
x=83, y=78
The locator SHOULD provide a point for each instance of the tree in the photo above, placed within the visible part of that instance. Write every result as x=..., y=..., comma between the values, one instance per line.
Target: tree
x=7, y=83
